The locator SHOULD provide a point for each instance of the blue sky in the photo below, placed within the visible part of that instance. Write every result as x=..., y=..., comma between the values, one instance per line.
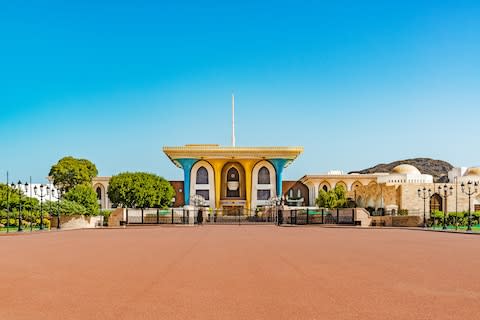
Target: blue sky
x=354, y=82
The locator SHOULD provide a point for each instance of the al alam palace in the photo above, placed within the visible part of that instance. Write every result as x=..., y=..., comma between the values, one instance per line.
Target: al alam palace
x=239, y=179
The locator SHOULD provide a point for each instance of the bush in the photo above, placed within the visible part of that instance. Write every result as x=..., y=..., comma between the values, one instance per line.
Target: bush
x=85, y=196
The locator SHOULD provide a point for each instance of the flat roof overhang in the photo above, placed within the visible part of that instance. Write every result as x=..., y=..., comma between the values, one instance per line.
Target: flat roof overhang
x=212, y=151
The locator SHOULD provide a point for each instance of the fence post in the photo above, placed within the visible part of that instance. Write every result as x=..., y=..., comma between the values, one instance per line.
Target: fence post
x=323, y=221
x=158, y=215
x=173, y=216
x=142, y=215
x=126, y=219
x=280, y=217
x=353, y=216
x=307, y=216
x=338, y=213
x=183, y=216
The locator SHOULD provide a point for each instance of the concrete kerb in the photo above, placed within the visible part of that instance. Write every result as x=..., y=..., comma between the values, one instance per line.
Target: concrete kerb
x=189, y=226
x=394, y=228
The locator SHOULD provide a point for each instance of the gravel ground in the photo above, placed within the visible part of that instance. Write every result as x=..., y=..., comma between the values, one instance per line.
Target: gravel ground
x=240, y=272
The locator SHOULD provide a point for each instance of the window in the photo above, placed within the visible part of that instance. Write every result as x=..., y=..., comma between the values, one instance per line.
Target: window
x=325, y=188
x=233, y=185
x=232, y=175
x=204, y=193
x=263, y=194
x=99, y=193
x=202, y=176
x=263, y=176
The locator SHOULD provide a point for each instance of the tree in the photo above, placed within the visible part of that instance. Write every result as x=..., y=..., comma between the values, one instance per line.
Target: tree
x=8, y=197
x=140, y=190
x=70, y=172
x=334, y=198
x=85, y=196
x=66, y=208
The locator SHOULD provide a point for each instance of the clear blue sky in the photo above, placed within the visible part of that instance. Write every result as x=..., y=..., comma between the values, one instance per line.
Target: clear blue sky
x=354, y=82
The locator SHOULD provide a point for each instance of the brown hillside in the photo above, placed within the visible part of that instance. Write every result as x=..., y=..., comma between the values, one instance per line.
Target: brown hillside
x=437, y=168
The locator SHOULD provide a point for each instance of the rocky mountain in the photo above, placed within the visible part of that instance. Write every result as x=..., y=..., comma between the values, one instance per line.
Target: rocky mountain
x=437, y=168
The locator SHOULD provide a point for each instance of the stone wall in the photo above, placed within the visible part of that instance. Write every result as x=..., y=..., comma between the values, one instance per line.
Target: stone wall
x=115, y=217
x=77, y=222
x=397, y=221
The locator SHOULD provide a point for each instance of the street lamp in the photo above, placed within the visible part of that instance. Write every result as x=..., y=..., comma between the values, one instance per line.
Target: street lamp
x=278, y=201
x=57, y=196
x=19, y=187
x=424, y=194
x=41, y=195
x=198, y=201
x=469, y=192
x=446, y=192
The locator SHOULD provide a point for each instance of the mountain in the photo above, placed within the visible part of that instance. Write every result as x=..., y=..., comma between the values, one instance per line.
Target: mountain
x=437, y=168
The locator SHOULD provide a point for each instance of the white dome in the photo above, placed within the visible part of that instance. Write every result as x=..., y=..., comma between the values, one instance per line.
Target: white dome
x=405, y=169
x=473, y=171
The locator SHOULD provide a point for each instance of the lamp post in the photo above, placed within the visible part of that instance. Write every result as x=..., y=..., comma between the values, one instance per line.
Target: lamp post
x=446, y=192
x=42, y=193
x=19, y=187
x=469, y=192
x=424, y=194
x=57, y=196
x=278, y=201
x=197, y=201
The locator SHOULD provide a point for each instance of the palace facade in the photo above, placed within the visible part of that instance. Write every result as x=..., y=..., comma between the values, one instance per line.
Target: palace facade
x=249, y=177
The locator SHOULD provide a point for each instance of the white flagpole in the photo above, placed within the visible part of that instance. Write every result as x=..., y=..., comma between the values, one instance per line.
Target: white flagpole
x=233, y=120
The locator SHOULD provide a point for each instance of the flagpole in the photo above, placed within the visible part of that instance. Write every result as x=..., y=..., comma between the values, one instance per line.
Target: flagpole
x=233, y=120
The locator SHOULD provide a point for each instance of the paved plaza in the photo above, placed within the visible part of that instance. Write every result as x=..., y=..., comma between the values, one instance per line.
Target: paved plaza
x=240, y=272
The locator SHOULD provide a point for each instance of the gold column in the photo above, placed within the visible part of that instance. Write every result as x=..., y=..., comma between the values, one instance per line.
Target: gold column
x=248, y=167
x=217, y=165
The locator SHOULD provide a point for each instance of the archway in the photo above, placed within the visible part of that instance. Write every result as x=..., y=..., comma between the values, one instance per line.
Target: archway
x=233, y=181
x=436, y=203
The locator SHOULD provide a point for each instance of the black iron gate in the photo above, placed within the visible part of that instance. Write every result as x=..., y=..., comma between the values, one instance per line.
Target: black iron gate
x=239, y=216
x=317, y=216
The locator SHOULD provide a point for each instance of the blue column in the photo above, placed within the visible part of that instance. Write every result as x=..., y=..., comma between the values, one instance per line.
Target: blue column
x=187, y=165
x=279, y=164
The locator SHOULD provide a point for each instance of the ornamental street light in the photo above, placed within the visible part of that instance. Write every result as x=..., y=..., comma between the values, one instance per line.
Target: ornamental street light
x=447, y=191
x=57, y=195
x=424, y=194
x=198, y=201
x=42, y=193
x=469, y=192
x=19, y=188
x=278, y=201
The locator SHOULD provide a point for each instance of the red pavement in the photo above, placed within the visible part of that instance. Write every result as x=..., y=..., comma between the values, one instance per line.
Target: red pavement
x=240, y=272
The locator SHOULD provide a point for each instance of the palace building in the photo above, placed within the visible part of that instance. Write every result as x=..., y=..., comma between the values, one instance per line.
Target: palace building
x=242, y=179
x=232, y=177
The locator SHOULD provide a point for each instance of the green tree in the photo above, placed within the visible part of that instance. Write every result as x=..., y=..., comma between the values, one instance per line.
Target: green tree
x=140, y=190
x=334, y=198
x=85, y=196
x=66, y=208
x=70, y=172
x=8, y=197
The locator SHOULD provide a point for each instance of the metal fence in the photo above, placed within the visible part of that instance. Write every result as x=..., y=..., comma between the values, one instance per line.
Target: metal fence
x=241, y=216
x=199, y=215
x=316, y=216
x=156, y=216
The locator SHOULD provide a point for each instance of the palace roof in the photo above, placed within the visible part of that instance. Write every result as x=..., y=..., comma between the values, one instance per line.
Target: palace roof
x=215, y=151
